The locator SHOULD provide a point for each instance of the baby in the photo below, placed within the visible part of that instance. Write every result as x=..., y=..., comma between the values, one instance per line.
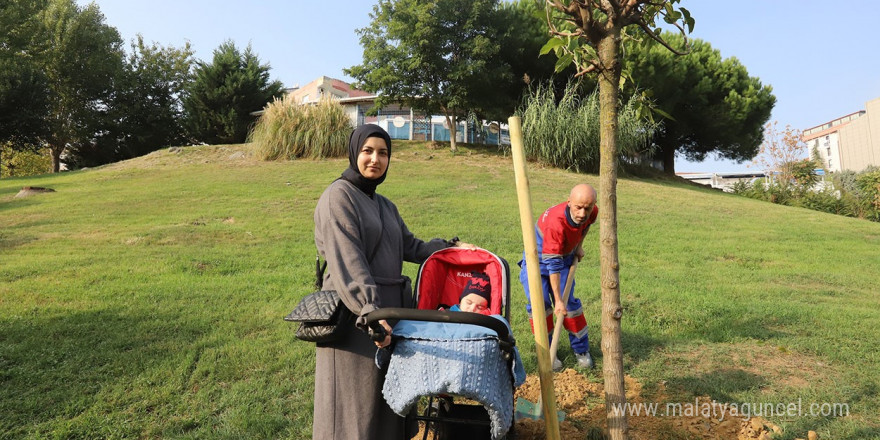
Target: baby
x=476, y=295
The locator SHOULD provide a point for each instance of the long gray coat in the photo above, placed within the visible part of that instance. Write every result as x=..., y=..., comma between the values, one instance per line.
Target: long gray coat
x=348, y=397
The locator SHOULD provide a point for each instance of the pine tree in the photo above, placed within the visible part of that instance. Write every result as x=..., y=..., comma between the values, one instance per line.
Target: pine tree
x=225, y=92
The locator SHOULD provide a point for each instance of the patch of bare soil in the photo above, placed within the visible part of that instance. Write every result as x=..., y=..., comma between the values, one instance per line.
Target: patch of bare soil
x=32, y=190
x=585, y=415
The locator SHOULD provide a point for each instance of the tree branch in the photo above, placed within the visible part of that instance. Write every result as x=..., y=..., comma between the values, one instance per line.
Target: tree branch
x=556, y=4
x=589, y=69
x=578, y=33
x=663, y=42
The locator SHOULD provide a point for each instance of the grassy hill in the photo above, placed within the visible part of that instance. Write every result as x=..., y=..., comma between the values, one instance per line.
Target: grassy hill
x=144, y=299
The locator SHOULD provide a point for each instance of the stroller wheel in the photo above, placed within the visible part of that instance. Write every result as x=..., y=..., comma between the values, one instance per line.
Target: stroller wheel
x=438, y=407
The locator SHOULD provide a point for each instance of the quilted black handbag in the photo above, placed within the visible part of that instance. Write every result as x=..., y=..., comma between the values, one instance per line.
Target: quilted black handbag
x=321, y=315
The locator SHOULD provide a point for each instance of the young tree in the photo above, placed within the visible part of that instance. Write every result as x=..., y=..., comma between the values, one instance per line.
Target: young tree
x=780, y=149
x=224, y=93
x=713, y=103
x=588, y=34
x=433, y=56
x=81, y=57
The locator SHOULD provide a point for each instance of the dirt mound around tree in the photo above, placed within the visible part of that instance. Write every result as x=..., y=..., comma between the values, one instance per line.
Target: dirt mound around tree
x=585, y=417
x=32, y=190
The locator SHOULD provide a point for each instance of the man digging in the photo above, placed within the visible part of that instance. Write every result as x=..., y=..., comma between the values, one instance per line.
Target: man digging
x=560, y=232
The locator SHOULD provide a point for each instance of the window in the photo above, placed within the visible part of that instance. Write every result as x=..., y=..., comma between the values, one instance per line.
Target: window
x=305, y=99
x=829, y=151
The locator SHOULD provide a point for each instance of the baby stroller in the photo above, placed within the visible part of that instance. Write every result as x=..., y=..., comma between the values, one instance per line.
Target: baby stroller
x=439, y=353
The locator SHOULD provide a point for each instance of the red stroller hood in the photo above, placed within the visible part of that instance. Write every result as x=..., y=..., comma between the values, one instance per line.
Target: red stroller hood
x=443, y=276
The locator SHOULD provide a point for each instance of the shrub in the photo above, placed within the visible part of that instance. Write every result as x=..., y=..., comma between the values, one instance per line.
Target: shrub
x=752, y=190
x=826, y=200
x=24, y=163
x=846, y=182
x=869, y=184
x=565, y=133
x=287, y=130
x=772, y=191
x=853, y=194
x=803, y=172
x=781, y=193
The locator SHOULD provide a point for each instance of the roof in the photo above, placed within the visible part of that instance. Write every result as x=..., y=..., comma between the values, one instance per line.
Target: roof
x=347, y=88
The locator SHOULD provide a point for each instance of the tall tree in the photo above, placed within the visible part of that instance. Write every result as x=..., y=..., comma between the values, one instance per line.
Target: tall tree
x=82, y=58
x=145, y=112
x=431, y=55
x=224, y=93
x=521, y=32
x=715, y=106
x=588, y=34
x=150, y=104
x=24, y=101
x=23, y=88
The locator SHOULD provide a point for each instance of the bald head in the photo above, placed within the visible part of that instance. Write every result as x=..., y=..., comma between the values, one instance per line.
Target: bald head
x=581, y=201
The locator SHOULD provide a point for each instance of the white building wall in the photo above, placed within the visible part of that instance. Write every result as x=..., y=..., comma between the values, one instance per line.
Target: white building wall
x=828, y=147
x=351, y=110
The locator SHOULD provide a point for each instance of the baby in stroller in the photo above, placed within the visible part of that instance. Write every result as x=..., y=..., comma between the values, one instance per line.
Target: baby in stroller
x=476, y=295
x=439, y=352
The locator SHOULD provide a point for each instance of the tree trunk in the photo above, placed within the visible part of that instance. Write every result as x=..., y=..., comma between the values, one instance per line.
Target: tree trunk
x=55, y=152
x=668, y=155
x=450, y=119
x=612, y=365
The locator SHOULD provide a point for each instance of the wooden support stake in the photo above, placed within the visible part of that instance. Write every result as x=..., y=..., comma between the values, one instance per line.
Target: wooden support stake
x=536, y=297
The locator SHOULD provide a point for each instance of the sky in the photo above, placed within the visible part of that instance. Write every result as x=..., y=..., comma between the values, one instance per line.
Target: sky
x=821, y=60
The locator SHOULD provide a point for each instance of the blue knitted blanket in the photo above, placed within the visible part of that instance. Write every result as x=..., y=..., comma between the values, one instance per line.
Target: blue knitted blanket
x=433, y=358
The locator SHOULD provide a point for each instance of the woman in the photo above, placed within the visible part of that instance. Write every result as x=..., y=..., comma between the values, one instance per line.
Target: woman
x=365, y=242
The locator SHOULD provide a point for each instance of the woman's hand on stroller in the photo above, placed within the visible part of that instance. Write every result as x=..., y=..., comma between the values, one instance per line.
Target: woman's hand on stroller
x=455, y=242
x=380, y=333
x=464, y=245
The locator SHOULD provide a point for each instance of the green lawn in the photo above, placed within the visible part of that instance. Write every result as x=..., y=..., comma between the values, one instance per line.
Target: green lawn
x=144, y=299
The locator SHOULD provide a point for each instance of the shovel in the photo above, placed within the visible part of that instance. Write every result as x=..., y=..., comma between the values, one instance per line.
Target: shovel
x=557, y=329
x=526, y=409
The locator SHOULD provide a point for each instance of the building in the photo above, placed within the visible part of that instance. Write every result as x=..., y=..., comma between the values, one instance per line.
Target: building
x=848, y=143
x=326, y=87
x=722, y=181
x=399, y=121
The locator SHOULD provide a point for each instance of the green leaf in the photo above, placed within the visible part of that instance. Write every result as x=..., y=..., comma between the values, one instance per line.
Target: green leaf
x=688, y=20
x=553, y=43
x=662, y=113
x=563, y=62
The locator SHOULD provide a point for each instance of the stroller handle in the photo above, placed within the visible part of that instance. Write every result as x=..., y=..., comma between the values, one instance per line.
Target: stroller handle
x=505, y=337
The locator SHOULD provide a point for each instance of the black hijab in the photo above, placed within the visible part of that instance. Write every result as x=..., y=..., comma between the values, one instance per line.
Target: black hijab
x=355, y=142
